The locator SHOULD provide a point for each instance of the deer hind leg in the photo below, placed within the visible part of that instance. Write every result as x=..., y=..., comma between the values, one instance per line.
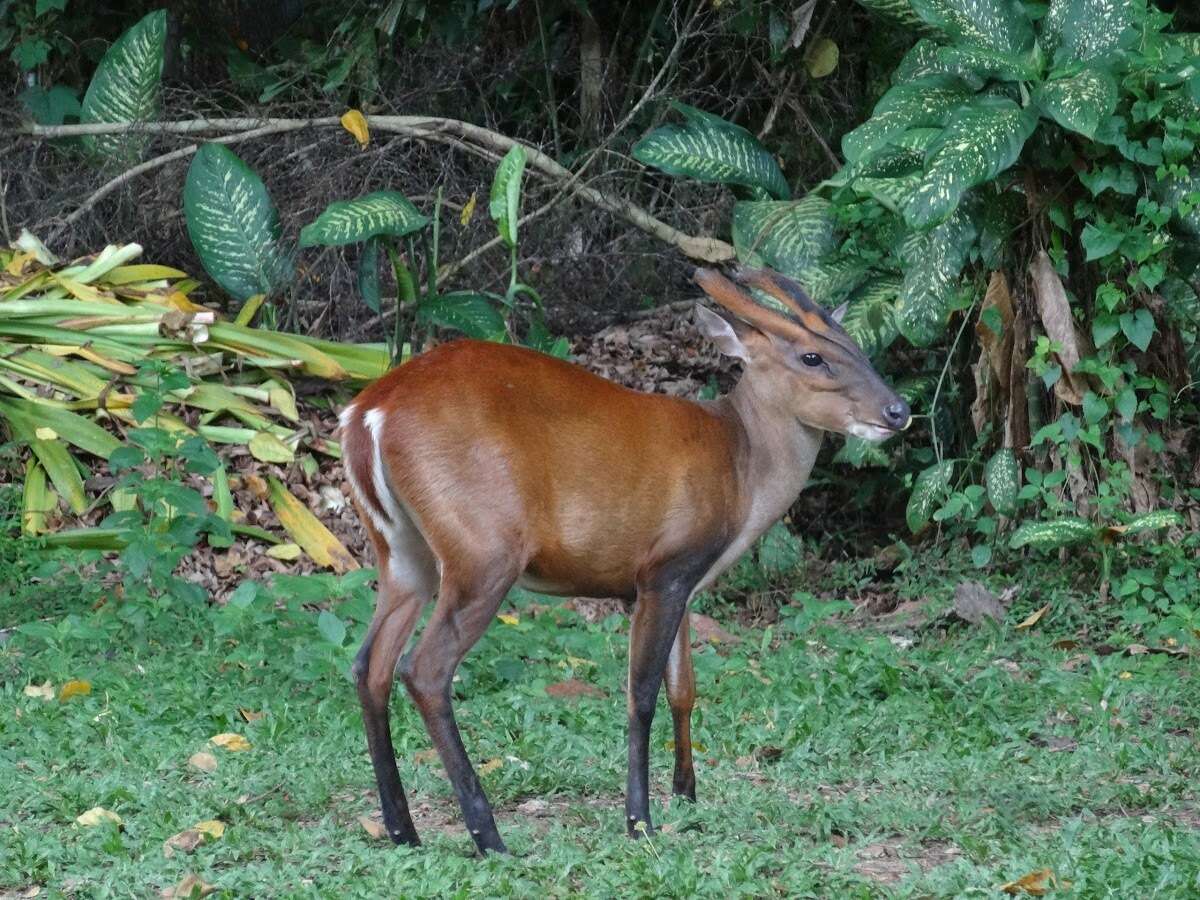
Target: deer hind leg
x=407, y=576
x=467, y=601
x=681, y=695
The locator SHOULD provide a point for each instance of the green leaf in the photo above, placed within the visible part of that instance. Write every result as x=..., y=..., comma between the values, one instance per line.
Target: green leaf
x=1003, y=477
x=472, y=314
x=125, y=88
x=1079, y=103
x=1052, y=535
x=1000, y=25
x=898, y=11
x=787, y=236
x=981, y=140
x=1100, y=240
x=708, y=148
x=870, y=319
x=779, y=551
x=368, y=275
x=31, y=53
x=1087, y=29
x=331, y=628
x=351, y=221
x=930, y=487
x=1138, y=326
x=50, y=107
x=822, y=58
x=233, y=224
x=1152, y=521
x=924, y=103
x=44, y=6
x=932, y=262
x=974, y=65
x=505, y=201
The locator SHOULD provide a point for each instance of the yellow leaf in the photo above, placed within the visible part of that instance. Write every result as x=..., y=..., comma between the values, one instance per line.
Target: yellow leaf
x=356, y=123
x=578, y=662
x=44, y=691
x=96, y=816
x=203, y=761
x=508, y=618
x=286, y=552
x=230, y=741
x=491, y=766
x=307, y=531
x=76, y=687
x=266, y=447
x=45, y=434
x=1125, y=676
x=1034, y=617
x=373, y=827
x=213, y=828
x=1036, y=883
x=191, y=885
x=250, y=715
x=469, y=210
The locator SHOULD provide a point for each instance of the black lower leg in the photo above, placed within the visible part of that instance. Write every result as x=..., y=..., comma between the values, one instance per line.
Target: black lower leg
x=394, y=805
x=637, y=793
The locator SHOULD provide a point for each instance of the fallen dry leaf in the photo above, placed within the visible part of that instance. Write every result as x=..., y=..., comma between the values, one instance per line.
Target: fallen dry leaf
x=425, y=756
x=508, y=618
x=285, y=552
x=1055, y=312
x=43, y=691
x=533, y=808
x=1034, y=617
x=373, y=827
x=250, y=715
x=203, y=761
x=356, y=123
x=184, y=842
x=573, y=688
x=491, y=766
x=96, y=816
x=973, y=603
x=707, y=629
x=191, y=885
x=230, y=741
x=76, y=687
x=212, y=828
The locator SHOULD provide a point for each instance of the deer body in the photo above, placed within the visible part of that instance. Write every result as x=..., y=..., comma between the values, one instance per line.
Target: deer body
x=477, y=466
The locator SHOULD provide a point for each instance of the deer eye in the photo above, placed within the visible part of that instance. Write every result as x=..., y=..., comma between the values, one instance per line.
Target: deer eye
x=811, y=359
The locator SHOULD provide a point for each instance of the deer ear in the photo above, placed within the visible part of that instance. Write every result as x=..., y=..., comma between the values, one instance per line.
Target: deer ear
x=840, y=312
x=719, y=330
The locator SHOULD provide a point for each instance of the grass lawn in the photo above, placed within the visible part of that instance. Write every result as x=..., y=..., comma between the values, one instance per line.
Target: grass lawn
x=834, y=759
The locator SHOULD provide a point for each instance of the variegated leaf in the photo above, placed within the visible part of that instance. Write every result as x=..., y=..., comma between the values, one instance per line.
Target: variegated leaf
x=504, y=202
x=1081, y=102
x=787, y=236
x=871, y=316
x=994, y=24
x=472, y=314
x=930, y=487
x=708, y=148
x=974, y=65
x=1003, y=477
x=981, y=140
x=1176, y=191
x=233, y=224
x=923, y=103
x=1052, y=535
x=899, y=11
x=1152, y=521
x=933, y=260
x=1087, y=29
x=125, y=88
x=352, y=221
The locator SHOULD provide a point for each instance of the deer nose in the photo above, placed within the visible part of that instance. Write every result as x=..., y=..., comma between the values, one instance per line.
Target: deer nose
x=897, y=415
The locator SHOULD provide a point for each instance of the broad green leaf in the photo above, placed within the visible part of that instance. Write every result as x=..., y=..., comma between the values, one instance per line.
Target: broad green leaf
x=930, y=487
x=779, y=551
x=784, y=235
x=1079, y=103
x=1138, y=326
x=368, y=275
x=473, y=314
x=1177, y=191
x=1052, y=535
x=974, y=65
x=870, y=319
x=331, y=628
x=932, y=263
x=73, y=428
x=861, y=454
x=1087, y=29
x=1152, y=521
x=233, y=224
x=505, y=202
x=708, y=148
x=351, y=221
x=1000, y=25
x=924, y=103
x=125, y=88
x=1003, y=476
x=981, y=140
x=899, y=11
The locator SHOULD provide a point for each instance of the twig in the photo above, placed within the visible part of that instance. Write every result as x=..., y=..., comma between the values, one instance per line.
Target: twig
x=465, y=135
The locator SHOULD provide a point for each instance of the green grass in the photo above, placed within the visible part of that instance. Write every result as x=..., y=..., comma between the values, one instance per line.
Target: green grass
x=835, y=761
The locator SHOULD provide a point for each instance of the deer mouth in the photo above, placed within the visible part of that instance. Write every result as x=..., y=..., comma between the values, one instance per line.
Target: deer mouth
x=875, y=432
